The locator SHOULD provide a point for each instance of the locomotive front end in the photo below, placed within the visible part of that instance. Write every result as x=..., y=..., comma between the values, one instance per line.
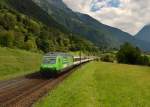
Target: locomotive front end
x=49, y=64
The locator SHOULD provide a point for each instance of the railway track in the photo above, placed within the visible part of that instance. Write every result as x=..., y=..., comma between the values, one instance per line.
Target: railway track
x=24, y=91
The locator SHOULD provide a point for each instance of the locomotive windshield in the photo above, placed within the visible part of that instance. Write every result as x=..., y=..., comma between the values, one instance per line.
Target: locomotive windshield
x=49, y=61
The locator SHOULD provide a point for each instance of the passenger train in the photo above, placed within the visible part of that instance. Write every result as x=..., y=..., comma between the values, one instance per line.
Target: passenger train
x=55, y=62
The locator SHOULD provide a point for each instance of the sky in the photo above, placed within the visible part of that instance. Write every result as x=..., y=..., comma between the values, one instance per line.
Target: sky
x=127, y=15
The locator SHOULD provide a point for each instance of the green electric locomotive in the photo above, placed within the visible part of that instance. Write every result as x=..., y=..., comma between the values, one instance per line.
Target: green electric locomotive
x=55, y=62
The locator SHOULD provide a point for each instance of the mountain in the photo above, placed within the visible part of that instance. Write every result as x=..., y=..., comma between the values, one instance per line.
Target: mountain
x=25, y=25
x=55, y=14
x=29, y=8
x=144, y=33
x=72, y=21
x=119, y=35
x=85, y=26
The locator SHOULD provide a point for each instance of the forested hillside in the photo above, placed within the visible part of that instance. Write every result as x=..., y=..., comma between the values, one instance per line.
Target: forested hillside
x=34, y=30
x=103, y=36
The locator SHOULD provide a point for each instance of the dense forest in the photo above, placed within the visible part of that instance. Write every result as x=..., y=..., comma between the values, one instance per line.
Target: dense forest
x=21, y=31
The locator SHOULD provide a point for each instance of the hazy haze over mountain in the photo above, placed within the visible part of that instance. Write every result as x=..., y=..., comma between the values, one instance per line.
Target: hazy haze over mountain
x=128, y=15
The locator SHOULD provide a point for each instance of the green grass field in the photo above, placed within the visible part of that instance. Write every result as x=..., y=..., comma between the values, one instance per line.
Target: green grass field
x=15, y=62
x=99, y=84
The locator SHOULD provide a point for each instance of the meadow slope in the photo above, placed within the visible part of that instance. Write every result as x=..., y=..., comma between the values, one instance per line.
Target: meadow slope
x=14, y=62
x=99, y=84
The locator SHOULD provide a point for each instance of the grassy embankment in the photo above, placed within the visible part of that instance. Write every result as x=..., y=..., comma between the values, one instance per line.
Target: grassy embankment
x=15, y=62
x=102, y=85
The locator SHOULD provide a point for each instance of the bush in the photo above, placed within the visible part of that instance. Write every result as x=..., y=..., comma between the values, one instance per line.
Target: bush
x=131, y=55
x=144, y=60
x=107, y=58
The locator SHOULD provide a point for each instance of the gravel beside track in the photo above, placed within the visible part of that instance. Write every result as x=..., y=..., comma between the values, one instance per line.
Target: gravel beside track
x=24, y=91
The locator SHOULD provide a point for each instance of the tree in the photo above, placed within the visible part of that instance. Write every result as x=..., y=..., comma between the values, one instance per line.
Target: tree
x=31, y=44
x=6, y=38
x=18, y=39
x=8, y=20
x=131, y=55
x=34, y=27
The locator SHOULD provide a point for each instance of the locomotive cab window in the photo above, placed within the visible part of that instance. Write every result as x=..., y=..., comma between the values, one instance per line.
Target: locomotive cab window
x=49, y=61
x=45, y=61
x=52, y=61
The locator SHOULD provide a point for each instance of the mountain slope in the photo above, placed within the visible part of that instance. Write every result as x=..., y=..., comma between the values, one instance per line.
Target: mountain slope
x=144, y=33
x=29, y=8
x=27, y=29
x=65, y=16
x=83, y=25
x=118, y=34
x=55, y=14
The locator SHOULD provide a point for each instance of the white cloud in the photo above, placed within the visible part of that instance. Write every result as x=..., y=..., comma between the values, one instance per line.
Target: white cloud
x=130, y=15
